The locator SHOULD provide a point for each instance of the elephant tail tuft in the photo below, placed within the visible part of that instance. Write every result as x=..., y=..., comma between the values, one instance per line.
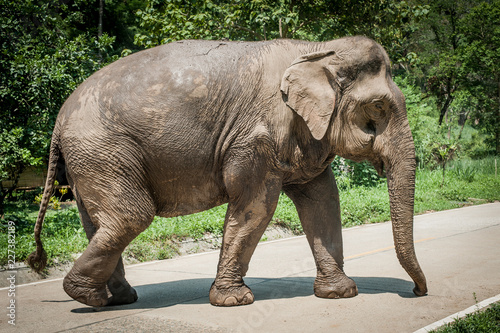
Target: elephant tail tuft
x=38, y=259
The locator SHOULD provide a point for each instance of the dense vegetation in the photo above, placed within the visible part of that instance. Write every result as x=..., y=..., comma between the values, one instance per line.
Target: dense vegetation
x=445, y=56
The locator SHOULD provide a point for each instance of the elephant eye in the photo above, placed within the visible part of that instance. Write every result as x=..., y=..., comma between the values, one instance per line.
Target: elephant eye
x=376, y=109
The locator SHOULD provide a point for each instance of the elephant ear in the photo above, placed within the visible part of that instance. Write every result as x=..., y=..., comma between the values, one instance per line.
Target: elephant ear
x=307, y=90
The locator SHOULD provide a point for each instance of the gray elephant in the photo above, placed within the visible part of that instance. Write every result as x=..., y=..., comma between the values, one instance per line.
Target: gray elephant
x=187, y=126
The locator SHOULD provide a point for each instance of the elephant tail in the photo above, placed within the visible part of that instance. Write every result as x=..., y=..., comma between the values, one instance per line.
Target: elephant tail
x=38, y=259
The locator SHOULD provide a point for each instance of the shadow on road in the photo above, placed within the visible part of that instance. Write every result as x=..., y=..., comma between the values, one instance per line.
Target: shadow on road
x=195, y=291
x=382, y=285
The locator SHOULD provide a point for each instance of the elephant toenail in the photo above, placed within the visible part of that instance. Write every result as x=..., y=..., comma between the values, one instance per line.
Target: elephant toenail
x=230, y=301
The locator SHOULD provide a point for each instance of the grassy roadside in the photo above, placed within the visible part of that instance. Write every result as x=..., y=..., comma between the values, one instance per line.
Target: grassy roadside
x=466, y=183
x=487, y=321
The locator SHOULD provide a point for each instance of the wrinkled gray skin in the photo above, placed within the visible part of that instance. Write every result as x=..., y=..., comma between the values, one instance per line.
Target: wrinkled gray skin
x=187, y=126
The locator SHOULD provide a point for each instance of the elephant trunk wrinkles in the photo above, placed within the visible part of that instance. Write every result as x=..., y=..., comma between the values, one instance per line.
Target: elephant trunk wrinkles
x=401, y=184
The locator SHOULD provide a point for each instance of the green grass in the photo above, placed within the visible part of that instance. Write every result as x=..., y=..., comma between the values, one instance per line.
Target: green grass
x=467, y=182
x=487, y=321
x=158, y=241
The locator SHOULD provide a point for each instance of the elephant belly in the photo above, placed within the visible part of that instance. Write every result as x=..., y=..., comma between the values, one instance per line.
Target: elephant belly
x=182, y=196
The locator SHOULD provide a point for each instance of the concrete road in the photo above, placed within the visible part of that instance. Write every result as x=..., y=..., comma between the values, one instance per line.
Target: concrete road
x=459, y=251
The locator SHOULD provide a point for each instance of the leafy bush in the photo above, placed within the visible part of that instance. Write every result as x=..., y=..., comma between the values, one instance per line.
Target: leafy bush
x=465, y=173
x=361, y=205
x=44, y=58
x=286, y=214
x=422, y=119
x=349, y=174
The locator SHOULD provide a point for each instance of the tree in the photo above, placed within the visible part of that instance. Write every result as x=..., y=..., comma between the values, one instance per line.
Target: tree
x=387, y=21
x=44, y=56
x=166, y=21
x=439, y=41
x=119, y=20
x=457, y=47
x=481, y=55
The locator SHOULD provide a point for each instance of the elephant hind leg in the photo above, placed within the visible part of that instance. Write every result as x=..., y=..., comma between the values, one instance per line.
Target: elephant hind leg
x=121, y=291
x=110, y=227
x=118, y=286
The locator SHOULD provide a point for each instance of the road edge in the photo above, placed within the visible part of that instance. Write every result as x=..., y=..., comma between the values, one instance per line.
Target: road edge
x=460, y=314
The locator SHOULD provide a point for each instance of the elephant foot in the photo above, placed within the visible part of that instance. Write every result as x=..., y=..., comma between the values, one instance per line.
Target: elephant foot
x=124, y=297
x=230, y=296
x=121, y=291
x=340, y=287
x=86, y=293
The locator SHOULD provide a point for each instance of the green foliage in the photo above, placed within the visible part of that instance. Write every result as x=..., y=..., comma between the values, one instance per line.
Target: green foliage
x=362, y=204
x=286, y=215
x=465, y=140
x=348, y=173
x=484, y=321
x=54, y=202
x=457, y=43
x=422, y=120
x=484, y=166
x=166, y=21
x=465, y=173
x=43, y=58
x=387, y=21
x=12, y=153
x=62, y=222
x=121, y=21
x=62, y=234
x=458, y=189
x=443, y=153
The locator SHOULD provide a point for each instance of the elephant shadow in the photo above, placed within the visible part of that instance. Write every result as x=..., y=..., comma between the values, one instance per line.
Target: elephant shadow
x=195, y=291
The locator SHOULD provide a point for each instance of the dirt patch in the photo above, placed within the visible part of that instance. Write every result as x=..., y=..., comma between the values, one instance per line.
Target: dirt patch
x=25, y=275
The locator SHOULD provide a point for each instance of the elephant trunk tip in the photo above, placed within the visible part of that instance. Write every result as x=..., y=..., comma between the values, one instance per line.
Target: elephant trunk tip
x=420, y=290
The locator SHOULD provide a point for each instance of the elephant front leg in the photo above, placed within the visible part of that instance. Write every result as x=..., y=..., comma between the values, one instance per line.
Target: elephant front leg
x=249, y=211
x=317, y=204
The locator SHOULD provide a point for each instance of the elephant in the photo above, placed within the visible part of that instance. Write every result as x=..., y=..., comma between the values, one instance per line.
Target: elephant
x=187, y=126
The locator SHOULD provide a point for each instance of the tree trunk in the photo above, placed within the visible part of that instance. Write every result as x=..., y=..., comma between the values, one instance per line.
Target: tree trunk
x=101, y=13
x=2, y=198
x=497, y=127
x=444, y=109
x=465, y=117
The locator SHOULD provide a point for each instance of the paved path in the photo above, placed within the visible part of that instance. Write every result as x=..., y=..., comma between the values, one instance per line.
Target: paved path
x=459, y=251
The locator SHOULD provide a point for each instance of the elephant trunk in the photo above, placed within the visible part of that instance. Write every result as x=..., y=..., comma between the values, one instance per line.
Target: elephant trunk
x=400, y=169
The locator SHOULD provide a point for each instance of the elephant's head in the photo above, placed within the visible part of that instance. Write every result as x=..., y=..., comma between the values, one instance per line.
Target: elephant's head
x=346, y=96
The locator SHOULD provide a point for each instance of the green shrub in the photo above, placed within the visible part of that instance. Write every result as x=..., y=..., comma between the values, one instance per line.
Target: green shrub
x=286, y=215
x=349, y=173
x=423, y=121
x=361, y=205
